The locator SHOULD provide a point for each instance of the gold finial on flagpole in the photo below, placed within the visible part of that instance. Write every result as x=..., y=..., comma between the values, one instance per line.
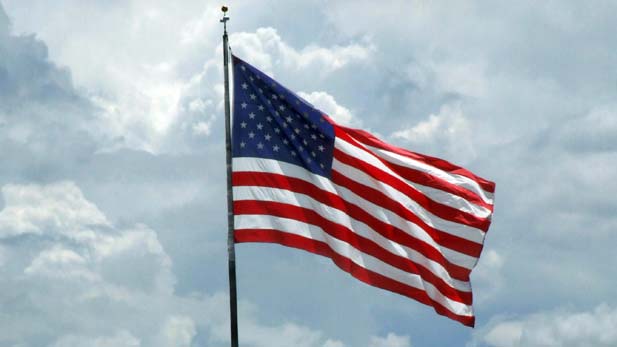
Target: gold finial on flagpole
x=225, y=18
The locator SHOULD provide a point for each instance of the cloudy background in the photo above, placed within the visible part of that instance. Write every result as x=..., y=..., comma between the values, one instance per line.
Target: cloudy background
x=112, y=167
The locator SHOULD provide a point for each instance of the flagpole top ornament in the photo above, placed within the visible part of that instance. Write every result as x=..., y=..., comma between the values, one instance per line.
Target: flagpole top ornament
x=225, y=18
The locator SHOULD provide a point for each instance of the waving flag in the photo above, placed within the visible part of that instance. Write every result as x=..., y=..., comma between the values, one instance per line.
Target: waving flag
x=395, y=219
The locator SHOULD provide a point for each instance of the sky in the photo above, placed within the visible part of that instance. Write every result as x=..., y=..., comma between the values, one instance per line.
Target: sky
x=112, y=193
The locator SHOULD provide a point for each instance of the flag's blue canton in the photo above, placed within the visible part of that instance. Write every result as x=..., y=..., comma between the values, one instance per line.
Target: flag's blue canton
x=270, y=121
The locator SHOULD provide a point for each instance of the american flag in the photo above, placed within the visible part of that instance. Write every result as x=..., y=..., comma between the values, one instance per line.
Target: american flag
x=394, y=219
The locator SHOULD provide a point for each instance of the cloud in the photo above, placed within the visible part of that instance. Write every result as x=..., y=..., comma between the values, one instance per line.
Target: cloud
x=390, y=340
x=65, y=253
x=135, y=75
x=447, y=133
x=591, y=133
x=333, y=343
x=266, y=49
x=161, y=90
x=563, y=328
x=450, y=77
x=465, y=79
x=77, y=242
x=326, y=103
x=121, y=339
x=35, y=209
x=4, y=23
x=178, y=331
x=487, y=277
x=42, y=116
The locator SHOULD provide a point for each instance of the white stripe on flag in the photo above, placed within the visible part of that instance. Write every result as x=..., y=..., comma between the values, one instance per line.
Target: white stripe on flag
x=290, y=170
x=339, y=217
x=461, y=181
x=457, y=229
x=361, y=259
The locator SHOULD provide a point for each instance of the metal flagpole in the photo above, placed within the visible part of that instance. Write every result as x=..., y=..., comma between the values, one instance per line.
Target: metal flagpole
x=231, y=250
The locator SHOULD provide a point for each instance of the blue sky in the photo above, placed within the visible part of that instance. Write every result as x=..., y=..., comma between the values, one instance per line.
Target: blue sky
x=112, y=227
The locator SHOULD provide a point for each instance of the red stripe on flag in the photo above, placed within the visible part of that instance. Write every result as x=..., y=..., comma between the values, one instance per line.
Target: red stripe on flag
x=453, y=242
x=418, y=176
x=357, y=213
x=371, y=140
x=251, y=207
x=429, y=180
x=364, y=275
x=439, y=210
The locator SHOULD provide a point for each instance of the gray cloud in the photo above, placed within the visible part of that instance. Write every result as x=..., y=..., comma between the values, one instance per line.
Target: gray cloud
x=43, y=119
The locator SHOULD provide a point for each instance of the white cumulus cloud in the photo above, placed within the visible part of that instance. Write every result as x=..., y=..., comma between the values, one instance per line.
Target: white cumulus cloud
x=326, y=103
x=559, y=328
x=266, y=49
x=61, y=207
